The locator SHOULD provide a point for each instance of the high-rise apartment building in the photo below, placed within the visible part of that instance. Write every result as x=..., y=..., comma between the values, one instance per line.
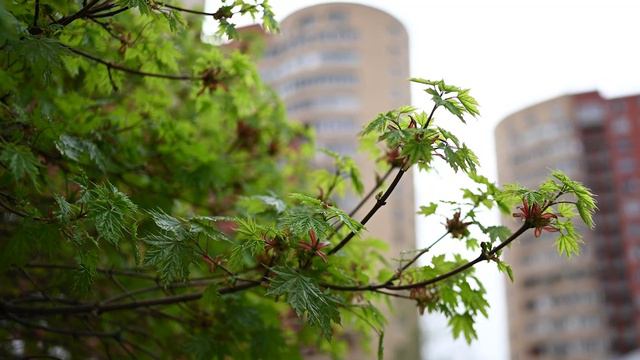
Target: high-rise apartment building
x=336, y=66
x=587, y=307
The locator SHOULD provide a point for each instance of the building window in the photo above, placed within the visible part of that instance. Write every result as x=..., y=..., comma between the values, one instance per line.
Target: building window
x=632, y=208
x=621, y=125
x=325, y=103
x=322, y=36
x=624, y=145
x=590, y=114
x=310, y=61
x=342, y=148
x=313, y=81
x=307, y=21
x=334, y=125
x=338, y=16
x=631, y=185
x=626, y=165
x=348, y=57
x=634, y=230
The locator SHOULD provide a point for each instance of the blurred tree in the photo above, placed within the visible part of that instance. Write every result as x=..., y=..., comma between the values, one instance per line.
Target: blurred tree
x=155, y=202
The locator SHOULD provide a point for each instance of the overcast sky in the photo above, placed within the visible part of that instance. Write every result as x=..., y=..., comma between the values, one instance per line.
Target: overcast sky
x=511, y=54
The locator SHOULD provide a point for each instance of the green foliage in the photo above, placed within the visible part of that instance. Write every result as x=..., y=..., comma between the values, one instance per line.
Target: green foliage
x=455, y=297
x=314, y=214
x=568, y=243
x=112, y=212
x=506, y=269
x=250, y=240
x=456, y=100
x=417, y=140
x=346, y=167
x=428, y=210
x=170, y=255
x=78, y=149
x=562, y=197
x=306, y=298
x=246, y=329
x=155, y=180
x=585, y=202
x=20, y=161
x=500, y=233
x=462, y=324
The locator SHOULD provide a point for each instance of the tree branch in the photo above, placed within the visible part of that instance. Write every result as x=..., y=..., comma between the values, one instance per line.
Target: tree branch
x=373, y=190
x=66, y=20
x=191, y=283
x=99, y=308
x=466, y=266
x=366, y=198
x=379, y=203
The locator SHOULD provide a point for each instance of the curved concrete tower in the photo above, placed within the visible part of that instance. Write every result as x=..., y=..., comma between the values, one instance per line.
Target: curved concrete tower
x=336, y=66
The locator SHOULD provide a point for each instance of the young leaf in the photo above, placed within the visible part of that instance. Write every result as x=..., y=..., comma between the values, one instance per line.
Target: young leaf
x=506, y=269
x=568, y=243
x=113, y=213
x=20, y=161
x=428, y=210
x=463, y=324
x=306, y=298
x=165, y=221
x=470, y=104
x=170, y=255
x=498, y=232
x=272, y=201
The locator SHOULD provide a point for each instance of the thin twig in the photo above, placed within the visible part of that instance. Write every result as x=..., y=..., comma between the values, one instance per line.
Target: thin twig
x=130, y=293
x=36, y=14
x=190, y=11
x=388, y=293
x=77, y=333
x=99, y=308
x=436, y=279
x=129, y=273
x=113, y=83
x=114, y=66
x=109, y=14
x=399, y=272
x=106, y=28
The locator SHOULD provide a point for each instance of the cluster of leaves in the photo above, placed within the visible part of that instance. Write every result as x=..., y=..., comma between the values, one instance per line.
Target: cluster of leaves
x=144, y=214
x=460, y=299
x=414, y=137
x=561, y=197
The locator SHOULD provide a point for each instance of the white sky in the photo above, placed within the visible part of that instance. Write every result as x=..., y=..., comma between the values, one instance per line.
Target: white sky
x=511, y=54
